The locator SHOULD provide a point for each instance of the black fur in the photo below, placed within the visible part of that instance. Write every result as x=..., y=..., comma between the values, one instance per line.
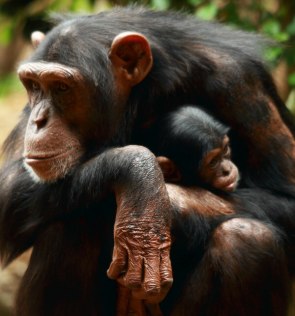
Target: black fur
x=183, y=72
x=69, y=222
x=186, y=136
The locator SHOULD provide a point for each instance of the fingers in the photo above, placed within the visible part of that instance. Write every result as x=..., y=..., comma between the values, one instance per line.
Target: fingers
x=166, y=269
x=147, y=272
x=124, y=295
x=157, y=285
x=166, y=279
x=119, y=263
x=154, y=279
x=133, y=276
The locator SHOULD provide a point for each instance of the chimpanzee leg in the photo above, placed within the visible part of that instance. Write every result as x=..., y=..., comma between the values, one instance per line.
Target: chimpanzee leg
x=243, y=273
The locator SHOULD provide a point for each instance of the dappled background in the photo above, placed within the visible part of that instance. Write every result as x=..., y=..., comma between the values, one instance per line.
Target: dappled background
x=18, y=18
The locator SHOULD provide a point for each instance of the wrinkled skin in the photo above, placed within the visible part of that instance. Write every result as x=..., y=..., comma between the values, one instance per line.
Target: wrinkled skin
x=142, y=244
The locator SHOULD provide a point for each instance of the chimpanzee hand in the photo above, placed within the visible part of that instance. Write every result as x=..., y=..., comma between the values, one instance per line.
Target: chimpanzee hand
x=141, y=256
x=128, y=305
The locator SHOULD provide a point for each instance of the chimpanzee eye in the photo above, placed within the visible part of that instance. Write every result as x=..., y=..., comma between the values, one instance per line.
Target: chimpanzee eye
x=35, y=86
x=62, y=87
x=213, y=163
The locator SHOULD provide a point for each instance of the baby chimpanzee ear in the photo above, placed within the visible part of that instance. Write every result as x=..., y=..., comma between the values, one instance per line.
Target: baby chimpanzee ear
x=170, y=171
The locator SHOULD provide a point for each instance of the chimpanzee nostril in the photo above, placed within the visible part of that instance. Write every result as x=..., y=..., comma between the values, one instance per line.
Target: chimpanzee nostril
x=41, y=122
x=225, y=172
x=41, y=117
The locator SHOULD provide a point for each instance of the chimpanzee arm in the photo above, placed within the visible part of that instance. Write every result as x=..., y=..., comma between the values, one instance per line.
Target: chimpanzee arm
x=142, y=226
x=18, y=219
x=23, y=202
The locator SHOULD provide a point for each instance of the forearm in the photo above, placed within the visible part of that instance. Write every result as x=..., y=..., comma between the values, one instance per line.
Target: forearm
x=118, y=170
x=143, y=219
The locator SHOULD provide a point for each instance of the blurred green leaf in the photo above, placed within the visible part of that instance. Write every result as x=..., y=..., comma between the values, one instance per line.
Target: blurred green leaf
x=282, y=37
x=207, y=12
x=6, y=31
x=272, y=54
x=291, y=79
x=160, y=4
x=60, y=6
x=9, y=84
x=271, y=27
x=291, y=27
x=195, y=2
x=81, y=5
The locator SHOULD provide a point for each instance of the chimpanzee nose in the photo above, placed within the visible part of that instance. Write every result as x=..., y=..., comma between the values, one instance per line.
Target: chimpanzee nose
x=41, y=117
x=225, y=171
x=40, y=122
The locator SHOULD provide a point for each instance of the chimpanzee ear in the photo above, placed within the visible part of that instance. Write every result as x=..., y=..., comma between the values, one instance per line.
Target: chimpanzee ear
x=131, y=56
x=170, y=172
x=36, y=38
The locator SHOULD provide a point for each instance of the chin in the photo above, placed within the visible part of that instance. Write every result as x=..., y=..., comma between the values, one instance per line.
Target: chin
x=49, y=170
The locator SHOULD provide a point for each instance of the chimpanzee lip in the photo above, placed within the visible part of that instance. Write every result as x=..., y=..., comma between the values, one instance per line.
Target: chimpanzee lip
x=32, y=157
x=36, y=159
x=231, y=186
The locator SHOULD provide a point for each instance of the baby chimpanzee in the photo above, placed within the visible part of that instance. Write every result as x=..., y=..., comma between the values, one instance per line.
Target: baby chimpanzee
x=193, y=148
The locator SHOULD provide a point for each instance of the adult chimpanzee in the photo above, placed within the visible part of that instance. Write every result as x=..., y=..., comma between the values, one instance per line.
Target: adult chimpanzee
x=94, y=84
x=193, y=148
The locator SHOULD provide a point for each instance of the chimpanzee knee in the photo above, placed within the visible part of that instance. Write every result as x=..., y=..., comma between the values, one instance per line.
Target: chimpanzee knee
x=242, y=273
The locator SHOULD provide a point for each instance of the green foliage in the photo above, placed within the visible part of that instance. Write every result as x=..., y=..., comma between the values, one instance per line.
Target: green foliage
x=6, y=32
x=160, y=4
x=9, y=84
x=208, y=11
x=195, y=2
x=291, y=27
x=273, y=28
x=81, y=5
x=291, y=79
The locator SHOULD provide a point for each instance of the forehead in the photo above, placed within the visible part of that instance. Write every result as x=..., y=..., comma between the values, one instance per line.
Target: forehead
x=43, y=70
x=78, y=46
x=215, y=145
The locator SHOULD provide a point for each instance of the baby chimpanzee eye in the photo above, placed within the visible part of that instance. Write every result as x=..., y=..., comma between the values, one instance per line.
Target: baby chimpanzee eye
x=213, y=163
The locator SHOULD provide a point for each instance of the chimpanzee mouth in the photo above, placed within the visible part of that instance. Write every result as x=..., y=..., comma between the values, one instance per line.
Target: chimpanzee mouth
x=230, y=187
x=231, y=184
x=35, y=158
x=50, y=166
x=40, y=157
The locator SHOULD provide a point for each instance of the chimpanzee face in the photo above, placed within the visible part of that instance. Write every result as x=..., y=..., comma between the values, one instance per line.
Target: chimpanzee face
x=66, y=110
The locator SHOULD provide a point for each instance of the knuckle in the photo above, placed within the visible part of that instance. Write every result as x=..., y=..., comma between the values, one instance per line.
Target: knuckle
x=133, y=283
x=167, y=283
x=152, y=288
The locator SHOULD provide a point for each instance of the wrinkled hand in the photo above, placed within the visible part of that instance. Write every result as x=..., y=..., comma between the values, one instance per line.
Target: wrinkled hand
x=128, y=305
x=141, y=256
